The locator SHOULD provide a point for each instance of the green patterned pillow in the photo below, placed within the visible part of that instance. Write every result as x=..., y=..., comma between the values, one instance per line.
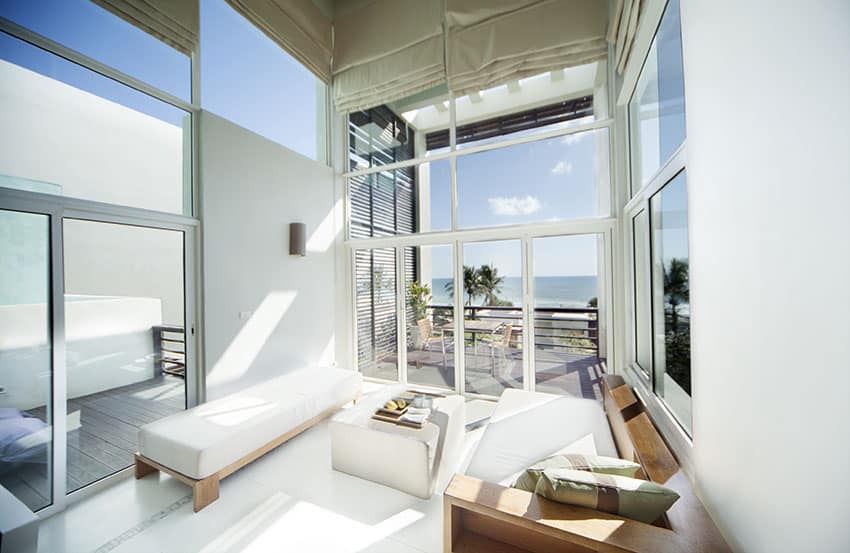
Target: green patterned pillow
x=629, y=497
x=576, y=461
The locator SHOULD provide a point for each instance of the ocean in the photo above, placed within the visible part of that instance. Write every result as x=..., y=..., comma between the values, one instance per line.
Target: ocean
x=558, y=291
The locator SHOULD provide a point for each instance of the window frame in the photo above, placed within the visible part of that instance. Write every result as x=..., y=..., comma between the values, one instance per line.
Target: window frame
x=637, y=196
x=60, y=207
x=603, y=224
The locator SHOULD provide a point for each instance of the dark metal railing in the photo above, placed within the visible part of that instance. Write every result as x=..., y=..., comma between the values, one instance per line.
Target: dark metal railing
x=566, y=329
x=169, y=348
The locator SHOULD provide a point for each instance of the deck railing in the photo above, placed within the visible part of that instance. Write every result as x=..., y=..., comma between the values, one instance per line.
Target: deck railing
x=563, y=329
x=169, y=348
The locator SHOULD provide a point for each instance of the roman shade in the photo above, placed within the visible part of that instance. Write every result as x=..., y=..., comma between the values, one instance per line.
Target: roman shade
x=622, y=28
x=386, y=50
x=297, y=26
x=491, y=42
x=174, y=22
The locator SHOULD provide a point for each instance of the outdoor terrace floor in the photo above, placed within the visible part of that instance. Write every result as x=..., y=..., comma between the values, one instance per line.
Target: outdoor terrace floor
x=489, y=373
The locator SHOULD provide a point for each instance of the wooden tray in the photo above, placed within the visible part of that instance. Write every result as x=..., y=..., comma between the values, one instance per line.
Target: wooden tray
x=396, y=419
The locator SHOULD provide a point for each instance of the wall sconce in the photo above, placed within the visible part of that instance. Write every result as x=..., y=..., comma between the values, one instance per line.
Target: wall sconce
x=297, y=239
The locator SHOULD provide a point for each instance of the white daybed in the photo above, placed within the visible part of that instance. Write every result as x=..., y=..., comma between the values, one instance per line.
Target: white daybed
x=202, y=445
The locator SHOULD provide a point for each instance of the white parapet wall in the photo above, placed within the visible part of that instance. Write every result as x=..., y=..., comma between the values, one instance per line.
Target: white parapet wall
x=109, y=343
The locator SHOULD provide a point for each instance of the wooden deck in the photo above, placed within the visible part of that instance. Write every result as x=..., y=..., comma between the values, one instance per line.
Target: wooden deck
x=558, y=372
x=105, y=439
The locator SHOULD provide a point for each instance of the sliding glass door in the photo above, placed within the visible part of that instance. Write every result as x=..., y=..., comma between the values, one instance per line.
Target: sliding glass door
x=26, y=358
x=125, y=340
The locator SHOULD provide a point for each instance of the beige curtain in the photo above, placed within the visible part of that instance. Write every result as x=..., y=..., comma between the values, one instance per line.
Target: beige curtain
x=622, y=28
x=298, y=26
x=385, y=50
x=491, y=42
x=174, y=22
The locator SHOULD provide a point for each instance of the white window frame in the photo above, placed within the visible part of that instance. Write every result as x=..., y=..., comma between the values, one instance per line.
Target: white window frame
x=59, y=208
x=641, y=378
x=604, y=225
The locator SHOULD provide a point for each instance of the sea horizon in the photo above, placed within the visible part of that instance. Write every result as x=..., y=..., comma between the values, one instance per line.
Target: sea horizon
x=549, y=291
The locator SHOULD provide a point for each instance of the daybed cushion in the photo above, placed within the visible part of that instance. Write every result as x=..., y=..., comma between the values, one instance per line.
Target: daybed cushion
x=528, y=426
x=203, y=440
x=619, y=495
x=576, y=461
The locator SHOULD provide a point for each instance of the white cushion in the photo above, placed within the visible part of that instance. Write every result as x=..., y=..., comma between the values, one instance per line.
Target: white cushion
x=407, y=459
x=203, y=440
x=529, y=426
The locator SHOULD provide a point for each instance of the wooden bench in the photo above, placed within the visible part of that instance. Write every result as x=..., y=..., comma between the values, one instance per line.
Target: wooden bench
x=482, y=516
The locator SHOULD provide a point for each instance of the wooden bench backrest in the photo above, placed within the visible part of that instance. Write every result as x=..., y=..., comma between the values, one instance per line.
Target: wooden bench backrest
x=638, y=439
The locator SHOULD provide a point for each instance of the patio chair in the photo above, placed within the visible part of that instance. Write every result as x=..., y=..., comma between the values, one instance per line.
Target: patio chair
x=501, y=342
x=426, y=332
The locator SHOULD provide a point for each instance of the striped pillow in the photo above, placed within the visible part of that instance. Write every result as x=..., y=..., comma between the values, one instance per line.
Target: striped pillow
x=576, y=461
x=629, y=497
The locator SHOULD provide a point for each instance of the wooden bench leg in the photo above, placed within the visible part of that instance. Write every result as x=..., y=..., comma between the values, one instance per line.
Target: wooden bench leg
x=205, y=491
x=143, y=469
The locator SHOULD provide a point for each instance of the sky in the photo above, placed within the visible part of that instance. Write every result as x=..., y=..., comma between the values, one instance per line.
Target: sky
x=246, y=77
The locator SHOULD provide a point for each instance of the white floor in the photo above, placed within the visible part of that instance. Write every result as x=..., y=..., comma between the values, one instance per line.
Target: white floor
x=289, y=500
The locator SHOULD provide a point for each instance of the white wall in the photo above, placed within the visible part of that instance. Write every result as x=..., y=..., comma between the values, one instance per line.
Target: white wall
x=252, y=189
x=768, y=123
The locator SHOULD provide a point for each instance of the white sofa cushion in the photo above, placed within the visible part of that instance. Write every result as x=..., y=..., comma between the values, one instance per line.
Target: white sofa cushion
x=529, y=426
x=203, y=440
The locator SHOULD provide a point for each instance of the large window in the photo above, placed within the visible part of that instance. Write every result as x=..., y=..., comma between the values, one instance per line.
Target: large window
x=96, y=245
x=70, y=131
x=671, y=314
x=87, y=28
x=657, y=108
x=252, y=81
x=519, y=168
x=657, y=223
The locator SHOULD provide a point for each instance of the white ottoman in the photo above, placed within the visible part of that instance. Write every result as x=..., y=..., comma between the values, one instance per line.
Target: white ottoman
x=415, y=461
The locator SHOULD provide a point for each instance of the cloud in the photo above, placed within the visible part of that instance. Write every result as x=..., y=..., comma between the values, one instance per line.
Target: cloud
x=562, y=168
x=514, y=205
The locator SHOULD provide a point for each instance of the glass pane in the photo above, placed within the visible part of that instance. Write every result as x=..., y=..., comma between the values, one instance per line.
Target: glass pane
x=401, y=201
x=83, y=26
x=492, y=294
x=549, y=180
x=434, y=189
x=72, y=132
x=642, y=317
x=671, y=298
x=428, y=281
x=657, y=108
x=26, y=355
x=545, y=102
x=124, y=331
x=397, y=131
x=567, y=303
x=252, y=81
x=377, y=331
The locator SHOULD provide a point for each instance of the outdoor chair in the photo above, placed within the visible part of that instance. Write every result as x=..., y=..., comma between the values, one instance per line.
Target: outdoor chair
x=426, y=332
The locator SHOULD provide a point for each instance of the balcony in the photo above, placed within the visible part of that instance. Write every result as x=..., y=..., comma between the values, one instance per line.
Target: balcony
x=566, y=350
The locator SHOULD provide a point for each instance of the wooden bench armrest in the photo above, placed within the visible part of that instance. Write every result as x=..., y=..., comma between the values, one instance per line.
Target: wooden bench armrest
x=588, y=528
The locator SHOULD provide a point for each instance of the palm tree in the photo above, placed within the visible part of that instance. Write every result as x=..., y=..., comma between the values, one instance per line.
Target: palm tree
x=471, y=284
x=676, y=289
x=490, y=283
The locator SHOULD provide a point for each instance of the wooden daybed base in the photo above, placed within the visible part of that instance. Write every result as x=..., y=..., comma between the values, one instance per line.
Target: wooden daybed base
x=205, y=491
x=482, y=516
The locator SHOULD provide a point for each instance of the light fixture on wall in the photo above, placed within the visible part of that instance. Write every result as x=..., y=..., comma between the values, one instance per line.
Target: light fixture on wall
x=297, y=239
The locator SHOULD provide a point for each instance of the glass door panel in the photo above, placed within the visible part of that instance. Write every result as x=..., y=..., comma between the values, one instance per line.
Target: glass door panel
x=125, y=341
x=567, y=304
x=493, y=314
x=26, y=356
x=377, y=329
x=429, y=282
